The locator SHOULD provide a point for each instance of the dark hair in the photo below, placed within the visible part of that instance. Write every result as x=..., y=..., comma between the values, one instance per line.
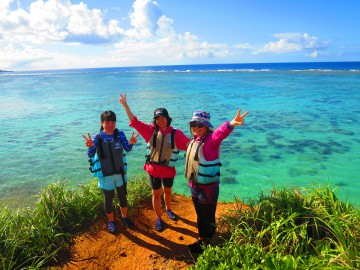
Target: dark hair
x=107, y=116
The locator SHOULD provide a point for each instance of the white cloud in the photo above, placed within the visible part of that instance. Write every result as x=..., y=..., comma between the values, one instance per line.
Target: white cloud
x=19, y=55
x=165, y=27
x=56, y=21
x=145, y=17
x=314, y=54
x=25, y=36
x=59, y=34
x=170, y=49
x=293, y=42
x=91, y=22
x=244, y=46
x=4, y=5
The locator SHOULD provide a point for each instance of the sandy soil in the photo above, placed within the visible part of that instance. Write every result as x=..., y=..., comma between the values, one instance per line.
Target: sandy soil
x=143, y=247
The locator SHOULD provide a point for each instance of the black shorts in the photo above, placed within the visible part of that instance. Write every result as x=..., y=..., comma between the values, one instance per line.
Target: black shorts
x=156, y=183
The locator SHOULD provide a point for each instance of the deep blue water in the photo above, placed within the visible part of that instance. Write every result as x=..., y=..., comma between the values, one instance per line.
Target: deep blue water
x=303, y=126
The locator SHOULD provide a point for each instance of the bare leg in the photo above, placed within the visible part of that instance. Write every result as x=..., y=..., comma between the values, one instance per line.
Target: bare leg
x=167, y=197
x=156, y=201
x=124, y=211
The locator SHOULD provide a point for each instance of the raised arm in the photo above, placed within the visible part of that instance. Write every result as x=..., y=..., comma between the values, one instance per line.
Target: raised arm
x=126, y=107
x=146, y=131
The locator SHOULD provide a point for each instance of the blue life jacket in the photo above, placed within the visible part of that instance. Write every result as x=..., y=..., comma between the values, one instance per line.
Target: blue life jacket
x=109, y=158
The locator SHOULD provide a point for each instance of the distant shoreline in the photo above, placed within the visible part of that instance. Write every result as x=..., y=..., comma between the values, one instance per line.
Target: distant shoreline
x=222, y=67
x=6, y=71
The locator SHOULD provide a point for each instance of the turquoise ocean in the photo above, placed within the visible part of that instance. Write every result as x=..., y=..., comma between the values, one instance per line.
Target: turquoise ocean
x=303, y=127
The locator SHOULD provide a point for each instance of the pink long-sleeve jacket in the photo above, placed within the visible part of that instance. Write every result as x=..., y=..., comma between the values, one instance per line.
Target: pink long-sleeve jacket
x=211, y=149
x=146, y=131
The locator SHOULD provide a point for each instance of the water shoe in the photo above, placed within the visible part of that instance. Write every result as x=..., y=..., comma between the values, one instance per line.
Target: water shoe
x=111, y=227
x=171, y=214
x=159, y=225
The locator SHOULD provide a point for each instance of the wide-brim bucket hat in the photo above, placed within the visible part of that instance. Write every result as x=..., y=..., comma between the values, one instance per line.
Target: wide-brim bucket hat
x=202, y=117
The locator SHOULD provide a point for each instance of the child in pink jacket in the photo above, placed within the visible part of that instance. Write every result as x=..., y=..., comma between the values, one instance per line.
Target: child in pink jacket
x=202, y=169
x=164, y=143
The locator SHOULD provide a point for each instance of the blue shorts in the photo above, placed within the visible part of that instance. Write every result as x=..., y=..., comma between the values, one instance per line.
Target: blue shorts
x=111, y=182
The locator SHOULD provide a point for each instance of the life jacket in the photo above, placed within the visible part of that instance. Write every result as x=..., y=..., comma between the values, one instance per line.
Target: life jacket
x=109, y=158
x=161, y=149
x=197, y=168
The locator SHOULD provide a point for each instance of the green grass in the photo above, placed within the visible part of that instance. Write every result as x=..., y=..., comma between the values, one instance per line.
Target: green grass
x=289, y=229
x=34, y=238
x=286, y=229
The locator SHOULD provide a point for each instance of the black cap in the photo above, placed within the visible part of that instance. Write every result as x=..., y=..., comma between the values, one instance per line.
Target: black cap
x=161, y=112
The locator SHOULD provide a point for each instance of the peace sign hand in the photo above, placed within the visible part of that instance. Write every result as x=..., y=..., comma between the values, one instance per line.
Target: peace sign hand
x=239, y=119
x=133, y=138
x=89, y=142
x=122, y=99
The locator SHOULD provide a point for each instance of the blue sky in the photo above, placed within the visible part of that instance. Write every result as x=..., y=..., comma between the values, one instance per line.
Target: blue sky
x=57, y=34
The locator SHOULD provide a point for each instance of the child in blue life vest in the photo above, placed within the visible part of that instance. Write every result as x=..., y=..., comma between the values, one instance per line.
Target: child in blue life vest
x=108, y=163
x=202, y=170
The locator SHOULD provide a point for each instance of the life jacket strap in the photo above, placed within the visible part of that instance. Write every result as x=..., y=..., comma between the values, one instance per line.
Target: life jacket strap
x=196, y=158
x=173, y=138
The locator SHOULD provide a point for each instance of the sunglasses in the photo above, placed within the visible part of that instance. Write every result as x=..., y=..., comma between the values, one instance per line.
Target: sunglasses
x=195, y=124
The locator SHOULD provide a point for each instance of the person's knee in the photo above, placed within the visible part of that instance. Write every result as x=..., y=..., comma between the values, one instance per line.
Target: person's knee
x=157, y=193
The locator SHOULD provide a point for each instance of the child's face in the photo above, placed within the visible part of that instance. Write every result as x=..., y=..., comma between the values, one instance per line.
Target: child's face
x=198, y=129
x=162, y=122
x=109, y=127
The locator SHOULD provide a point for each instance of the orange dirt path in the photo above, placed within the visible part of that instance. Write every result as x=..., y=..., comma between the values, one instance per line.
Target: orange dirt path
x=143, y=247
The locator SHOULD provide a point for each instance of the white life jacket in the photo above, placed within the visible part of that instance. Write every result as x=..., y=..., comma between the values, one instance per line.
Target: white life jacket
x=197, y=168
x=161, y=149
